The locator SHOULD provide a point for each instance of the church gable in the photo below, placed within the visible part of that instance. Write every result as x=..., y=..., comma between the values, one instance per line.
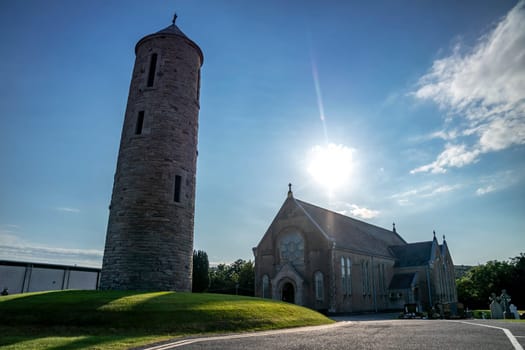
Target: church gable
x=293, y=252
x=445, y=253
x=291, y=218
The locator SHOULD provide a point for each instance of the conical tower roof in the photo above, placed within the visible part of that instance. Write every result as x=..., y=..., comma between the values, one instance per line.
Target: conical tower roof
x=172, y=30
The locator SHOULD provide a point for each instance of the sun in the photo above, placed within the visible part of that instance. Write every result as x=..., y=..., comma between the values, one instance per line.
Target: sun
x=331, y=165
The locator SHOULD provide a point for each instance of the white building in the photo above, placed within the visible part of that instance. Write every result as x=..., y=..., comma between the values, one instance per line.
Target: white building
x=24, y=277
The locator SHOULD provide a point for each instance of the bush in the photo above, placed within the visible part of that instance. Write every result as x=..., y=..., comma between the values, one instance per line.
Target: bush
x=479, y=313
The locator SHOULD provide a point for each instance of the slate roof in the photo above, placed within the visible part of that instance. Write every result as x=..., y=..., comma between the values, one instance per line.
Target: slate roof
x=413, y=254
x=402, y=280
x=351, y=233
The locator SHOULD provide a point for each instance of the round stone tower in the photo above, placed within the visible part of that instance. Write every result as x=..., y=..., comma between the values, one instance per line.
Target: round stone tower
x=149, y=241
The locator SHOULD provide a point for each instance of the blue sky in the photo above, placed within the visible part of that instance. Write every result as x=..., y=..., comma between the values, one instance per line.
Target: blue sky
x=410, y=112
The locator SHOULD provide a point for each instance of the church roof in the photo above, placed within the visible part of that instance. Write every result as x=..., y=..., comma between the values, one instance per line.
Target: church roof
x=402, y=280
x=351, y=233
x=413, y=254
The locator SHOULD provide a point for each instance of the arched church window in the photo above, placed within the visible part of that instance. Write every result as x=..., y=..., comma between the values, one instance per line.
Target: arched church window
x=349, y=276
x=319, y=286
x=382, y=279
x=291, y=248
x=365, y=277
x=343, y=275
x=265, y=287
x=446, y=279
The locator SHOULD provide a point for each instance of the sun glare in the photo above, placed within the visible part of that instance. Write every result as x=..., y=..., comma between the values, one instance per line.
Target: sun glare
x=331, y=165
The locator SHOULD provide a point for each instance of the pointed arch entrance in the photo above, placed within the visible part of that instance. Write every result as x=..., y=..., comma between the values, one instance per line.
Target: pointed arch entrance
x=288, y=293
x=288, y=284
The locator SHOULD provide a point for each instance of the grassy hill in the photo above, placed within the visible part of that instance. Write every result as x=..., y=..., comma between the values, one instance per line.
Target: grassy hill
x=118, y=320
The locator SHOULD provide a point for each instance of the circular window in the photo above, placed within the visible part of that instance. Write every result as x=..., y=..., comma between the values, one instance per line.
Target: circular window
x=291, y=248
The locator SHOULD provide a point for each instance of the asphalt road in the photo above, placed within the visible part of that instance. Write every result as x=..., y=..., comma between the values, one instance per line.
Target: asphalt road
x=384, y=334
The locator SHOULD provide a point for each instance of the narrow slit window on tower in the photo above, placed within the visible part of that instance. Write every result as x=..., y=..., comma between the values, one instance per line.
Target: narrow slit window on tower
x=140, y=123
x=198, y=85
x=176, y=192
x=152, y=68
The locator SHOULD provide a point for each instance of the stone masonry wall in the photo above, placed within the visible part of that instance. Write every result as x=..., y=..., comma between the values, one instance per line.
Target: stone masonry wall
x=149, y=242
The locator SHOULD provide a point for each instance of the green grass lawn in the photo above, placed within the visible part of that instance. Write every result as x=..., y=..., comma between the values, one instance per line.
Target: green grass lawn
x=119, y=320
x=479, y=314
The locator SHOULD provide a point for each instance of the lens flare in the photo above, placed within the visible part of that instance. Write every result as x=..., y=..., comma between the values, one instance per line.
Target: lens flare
x=331, y=165
x=319, y=97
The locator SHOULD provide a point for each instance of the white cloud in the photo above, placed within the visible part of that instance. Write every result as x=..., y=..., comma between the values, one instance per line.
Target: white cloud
x=409, y=193
x=403, y=202
x=444, y=134
x=497, y=182
x=485, y=89
x=68, y=210
x=426, y=191
x=13, y=247
x=8, y=229
x=8, y=238
x=502, y=133
x=453, y=156
x=363, y=212
x=13, y=226
x=443, y=189
x=355, y=210
x=484, y=190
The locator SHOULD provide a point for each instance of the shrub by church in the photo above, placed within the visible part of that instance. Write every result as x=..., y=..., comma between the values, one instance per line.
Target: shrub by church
x=326, y=261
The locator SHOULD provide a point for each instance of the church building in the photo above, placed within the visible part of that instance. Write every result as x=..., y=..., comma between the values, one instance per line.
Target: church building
x=330, y=262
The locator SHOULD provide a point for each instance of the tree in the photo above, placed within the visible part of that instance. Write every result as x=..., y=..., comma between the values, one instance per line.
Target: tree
x=220, y=279
x=236, y=278
x=201, y=276
x=517, y=285
x=475, y=287
x=247, y=278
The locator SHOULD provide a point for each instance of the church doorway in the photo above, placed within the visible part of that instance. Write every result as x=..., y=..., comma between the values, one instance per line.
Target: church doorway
x=288, y=293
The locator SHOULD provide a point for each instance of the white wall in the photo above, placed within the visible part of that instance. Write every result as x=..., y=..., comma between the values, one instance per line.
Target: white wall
x=82, y=280
x=45, y=279
x=12, y=277
x=20, y=277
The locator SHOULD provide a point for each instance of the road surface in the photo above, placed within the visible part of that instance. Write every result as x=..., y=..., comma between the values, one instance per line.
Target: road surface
x=376, y=334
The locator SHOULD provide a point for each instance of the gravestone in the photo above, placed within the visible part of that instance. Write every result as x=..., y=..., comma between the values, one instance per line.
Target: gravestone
x=514, y=311
x=496, y=311
x=505, y=303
